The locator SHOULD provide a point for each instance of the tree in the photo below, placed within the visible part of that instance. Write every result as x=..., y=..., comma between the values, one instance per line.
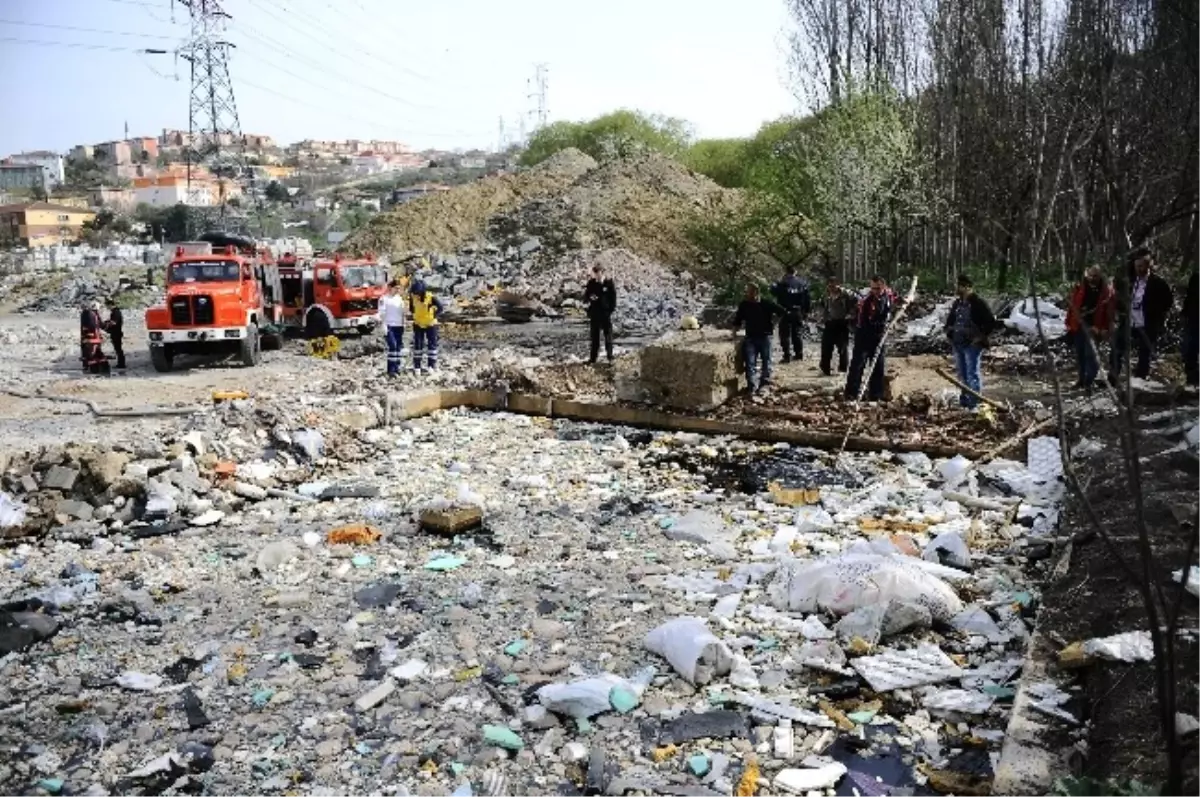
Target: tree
x=615, y=135
x=276, y=192
x=83, y=174
x=723, y=160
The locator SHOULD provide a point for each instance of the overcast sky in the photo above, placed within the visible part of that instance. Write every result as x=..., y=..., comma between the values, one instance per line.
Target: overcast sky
x=433, y=73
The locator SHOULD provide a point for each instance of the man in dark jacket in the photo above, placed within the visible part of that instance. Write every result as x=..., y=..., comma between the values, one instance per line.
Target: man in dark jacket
x=1144, y=300
x=870, y=324
x=759, y=317
x=600, y=294
x=792, y=294
x=1190, y=339
x=115, y=327
x=838, y=307
x=968, y=326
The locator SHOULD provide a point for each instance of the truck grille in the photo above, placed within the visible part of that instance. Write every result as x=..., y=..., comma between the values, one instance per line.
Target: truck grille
x=360, y=305
x=181, y=312
x=202, y=309
x=192, y=311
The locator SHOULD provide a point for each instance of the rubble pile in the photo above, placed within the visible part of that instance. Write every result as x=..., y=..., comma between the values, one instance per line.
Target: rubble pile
x=641, y=203
x=33, y=294
x=270, y=602
x=445, y=221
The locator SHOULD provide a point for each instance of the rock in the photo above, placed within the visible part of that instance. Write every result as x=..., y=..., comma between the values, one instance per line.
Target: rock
x=275, y=555
x=374, y=697
x=81, y=510
x=107, y=467
x=544, y=628
x=60, y=478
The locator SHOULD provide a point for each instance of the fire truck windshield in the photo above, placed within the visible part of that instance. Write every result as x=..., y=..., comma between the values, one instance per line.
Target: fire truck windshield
x=204, y=271
x=361, y=276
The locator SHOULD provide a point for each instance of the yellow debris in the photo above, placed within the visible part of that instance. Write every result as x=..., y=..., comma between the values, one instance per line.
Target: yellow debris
x=354, y=534
x=749, y=782
x=661, y=754
x=793, y=496
x=325, y=348
x=468, y=673
x=229, y=395
x=836, y=714
x=724, y=573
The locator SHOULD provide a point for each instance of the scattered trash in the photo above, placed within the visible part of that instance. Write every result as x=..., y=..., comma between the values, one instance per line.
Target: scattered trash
x=139, y=681
x=900, y=669
x=500, y=736
x=1127, y=647
x=690, y=648
x=444, y=563
x=357, y=534
x=802, y=781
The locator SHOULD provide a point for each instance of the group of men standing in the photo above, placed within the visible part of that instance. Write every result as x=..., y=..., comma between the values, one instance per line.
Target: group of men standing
x=1131, y=315
x=842, y=312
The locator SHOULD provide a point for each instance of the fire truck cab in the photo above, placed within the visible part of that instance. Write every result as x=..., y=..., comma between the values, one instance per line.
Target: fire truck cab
x=222, y=291
x=328, y=295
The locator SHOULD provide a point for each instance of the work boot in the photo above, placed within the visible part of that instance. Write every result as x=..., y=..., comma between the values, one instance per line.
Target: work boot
x=787, y=358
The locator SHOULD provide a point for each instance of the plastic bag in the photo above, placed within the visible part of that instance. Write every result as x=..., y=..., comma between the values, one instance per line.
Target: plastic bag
x=12, y=511
x=844, y=583
x=689, y=647
x=948, y=548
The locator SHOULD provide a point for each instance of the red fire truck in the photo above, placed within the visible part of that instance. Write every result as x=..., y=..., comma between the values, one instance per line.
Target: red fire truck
x=326, y=295
x=223, y=291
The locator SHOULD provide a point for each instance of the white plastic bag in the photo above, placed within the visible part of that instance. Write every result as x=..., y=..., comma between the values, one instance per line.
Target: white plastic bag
x=689, y=647
x=955, y=547
x=844, y=583
x=12, y=511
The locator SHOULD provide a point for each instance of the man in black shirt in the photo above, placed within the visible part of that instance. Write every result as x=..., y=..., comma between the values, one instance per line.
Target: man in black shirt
x=759, y=318
x=793, y=296
x=115, y=327
x=600, y=294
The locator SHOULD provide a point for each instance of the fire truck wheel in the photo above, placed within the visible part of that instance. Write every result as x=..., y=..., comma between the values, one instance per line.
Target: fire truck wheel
x=250, y=351
x=272, y=342
x=161, y=357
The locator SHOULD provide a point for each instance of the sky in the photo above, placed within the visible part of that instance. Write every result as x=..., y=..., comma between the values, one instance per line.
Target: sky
x=433, y=74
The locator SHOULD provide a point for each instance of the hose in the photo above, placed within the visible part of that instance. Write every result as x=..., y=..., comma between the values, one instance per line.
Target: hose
x=100, y=413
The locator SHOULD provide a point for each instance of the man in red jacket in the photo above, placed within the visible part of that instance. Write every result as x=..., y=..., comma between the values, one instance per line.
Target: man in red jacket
x=1088, y=320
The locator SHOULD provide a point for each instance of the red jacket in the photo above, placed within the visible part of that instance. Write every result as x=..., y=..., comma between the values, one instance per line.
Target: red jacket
x=1104, y=308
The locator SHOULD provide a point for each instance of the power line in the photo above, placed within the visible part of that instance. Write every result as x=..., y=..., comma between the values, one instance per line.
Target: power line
x=82, y=45
x=84, y=30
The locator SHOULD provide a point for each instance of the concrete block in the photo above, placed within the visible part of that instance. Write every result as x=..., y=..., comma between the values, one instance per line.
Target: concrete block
x=76, y=509
x=60, y=478
x=528, y=404
x=691, y=370
x=452, y=521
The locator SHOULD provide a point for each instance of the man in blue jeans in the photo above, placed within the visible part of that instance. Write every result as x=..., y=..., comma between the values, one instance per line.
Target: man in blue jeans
x=968, y=326
x=759, y=317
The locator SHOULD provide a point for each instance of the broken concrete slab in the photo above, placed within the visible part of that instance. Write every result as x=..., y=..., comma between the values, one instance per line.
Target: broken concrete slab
x=690, y=371
x=60, y=478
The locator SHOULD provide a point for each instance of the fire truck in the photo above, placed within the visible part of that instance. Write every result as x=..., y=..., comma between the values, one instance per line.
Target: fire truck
x=326, y=295
x=223, y=294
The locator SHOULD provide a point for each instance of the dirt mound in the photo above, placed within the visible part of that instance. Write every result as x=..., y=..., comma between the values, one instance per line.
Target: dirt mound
x=564, y=204
x=445, y=221
x=641, y=204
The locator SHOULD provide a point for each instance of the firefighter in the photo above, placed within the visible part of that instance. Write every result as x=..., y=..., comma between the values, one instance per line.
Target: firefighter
x=425, y=309
x=91, y=355
x=115, y=327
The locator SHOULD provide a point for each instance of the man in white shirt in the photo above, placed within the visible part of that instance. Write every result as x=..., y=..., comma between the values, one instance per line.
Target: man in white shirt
x=1149, y=301
x=391, y=315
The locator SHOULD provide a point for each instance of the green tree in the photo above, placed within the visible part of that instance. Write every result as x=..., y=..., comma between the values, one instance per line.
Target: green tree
x=276, y=191
x=722, y=160
x=614, y=135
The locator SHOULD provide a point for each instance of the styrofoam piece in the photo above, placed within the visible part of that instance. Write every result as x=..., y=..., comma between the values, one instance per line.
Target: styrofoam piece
x=1128, y=647
x=802, y=781
x=1045, y=457
x=901, y=669
x=957, y=701
x=802, y=716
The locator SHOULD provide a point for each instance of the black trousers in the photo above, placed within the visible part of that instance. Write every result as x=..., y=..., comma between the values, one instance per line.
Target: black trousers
x=601, y=324
x=790, y=328
x=866, y=343
x=834, y=335
x=119, y=348
x=1142, y=342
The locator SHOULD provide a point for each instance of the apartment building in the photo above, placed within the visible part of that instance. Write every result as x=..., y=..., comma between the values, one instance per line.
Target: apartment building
x=42, y=224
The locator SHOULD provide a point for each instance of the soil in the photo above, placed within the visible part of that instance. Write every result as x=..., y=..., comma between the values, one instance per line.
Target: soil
x=1094, y=598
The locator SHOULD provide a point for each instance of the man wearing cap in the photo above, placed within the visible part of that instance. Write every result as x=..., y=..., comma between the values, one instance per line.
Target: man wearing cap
x=968, y=326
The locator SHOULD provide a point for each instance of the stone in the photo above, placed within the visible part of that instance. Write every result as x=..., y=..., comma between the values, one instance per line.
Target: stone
x=374, y=697
x=107, y=467
x=80, y=510
x=544, y=628
x=695, y=371
x=60, y=478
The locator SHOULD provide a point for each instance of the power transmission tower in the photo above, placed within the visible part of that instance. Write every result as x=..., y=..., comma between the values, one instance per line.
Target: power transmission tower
x=540, y=83
x=214, y=131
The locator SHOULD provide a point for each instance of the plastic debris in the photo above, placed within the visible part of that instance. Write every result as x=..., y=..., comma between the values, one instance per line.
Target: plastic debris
x=719, y=724
x=698, y=764
x=499, y=736
x=957, y=701
x=1128, y=647
x=900, y=669
x=1192, y=584
x=12, y=511
x=444, y=563
x=689, y=647
x=802, y=781
x=844, y=583
x=356, y=534
x=139, y=681
x=948, y=548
